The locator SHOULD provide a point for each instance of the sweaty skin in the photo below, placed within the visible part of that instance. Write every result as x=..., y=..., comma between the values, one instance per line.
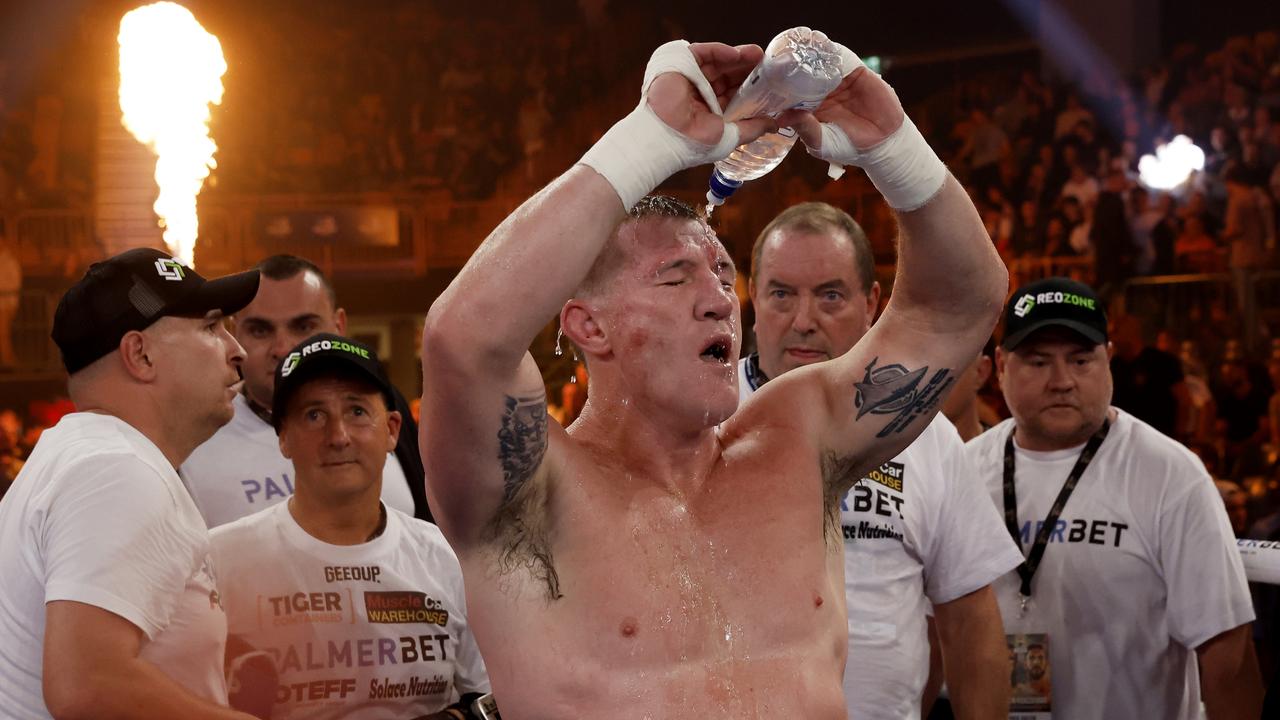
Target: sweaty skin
x=662, y=559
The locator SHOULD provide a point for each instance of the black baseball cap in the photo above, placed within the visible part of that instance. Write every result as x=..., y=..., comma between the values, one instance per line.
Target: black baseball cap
x=326, y=353
x=132, y=290
x=1057, y=301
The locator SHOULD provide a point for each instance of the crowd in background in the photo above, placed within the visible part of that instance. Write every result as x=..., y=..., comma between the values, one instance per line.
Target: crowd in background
x=447, y=101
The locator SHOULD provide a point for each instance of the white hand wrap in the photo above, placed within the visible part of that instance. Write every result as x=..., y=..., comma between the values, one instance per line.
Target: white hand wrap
x=640, y=151
x=903, y=167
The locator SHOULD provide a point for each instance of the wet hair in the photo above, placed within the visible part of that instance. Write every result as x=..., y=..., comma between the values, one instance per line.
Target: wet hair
x=663, y=206
x=283, y=267
x=611, y=257
x=819, y=217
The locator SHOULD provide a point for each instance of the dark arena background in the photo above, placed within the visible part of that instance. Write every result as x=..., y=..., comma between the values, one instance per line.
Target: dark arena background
x=425, y=123
x=1110, y=141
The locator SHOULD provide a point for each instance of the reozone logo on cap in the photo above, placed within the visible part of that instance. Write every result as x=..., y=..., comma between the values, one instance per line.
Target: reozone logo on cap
x=170, y=269
x=1028, y=302
x=292, y=359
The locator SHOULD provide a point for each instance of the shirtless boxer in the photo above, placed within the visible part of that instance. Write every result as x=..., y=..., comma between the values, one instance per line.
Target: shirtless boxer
x=645, y=564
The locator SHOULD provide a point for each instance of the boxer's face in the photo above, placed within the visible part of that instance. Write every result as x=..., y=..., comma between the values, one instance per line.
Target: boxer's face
x=809, y=301
x=672, y=318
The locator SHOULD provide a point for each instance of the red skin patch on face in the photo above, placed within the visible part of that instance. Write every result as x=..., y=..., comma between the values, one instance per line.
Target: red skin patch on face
x=638, y=339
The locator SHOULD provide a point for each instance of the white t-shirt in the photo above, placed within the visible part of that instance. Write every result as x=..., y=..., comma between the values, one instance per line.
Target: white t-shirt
x=99, y=516
x=240, y=471
x=1142, y=569
x=377, y=630
x=919, y=530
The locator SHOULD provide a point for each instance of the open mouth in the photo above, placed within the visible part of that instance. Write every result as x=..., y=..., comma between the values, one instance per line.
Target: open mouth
x=717, y=351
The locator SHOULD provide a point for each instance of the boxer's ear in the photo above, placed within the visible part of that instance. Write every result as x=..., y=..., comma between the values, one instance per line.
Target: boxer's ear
x=580, y=323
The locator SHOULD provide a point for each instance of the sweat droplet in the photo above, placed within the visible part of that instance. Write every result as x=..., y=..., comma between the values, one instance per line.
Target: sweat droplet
x=559, y=337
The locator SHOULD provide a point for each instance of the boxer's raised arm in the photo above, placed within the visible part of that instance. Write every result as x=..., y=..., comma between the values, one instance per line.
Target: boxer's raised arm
x=871, y=402
x=484, y=432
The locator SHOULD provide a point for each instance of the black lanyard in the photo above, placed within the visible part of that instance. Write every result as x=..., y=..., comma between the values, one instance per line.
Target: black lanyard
x=1027, y=569
x=755, y=376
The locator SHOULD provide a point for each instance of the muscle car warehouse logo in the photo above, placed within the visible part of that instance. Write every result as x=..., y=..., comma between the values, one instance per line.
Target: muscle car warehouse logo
x=889, y=475
x=404, y=607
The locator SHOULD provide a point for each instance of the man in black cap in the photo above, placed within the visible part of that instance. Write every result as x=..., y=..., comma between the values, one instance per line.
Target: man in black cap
x=334, y=567
x=108, y=606
x=1132, y=578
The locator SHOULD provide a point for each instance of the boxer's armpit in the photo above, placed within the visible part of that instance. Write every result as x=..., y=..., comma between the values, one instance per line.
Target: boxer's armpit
x=906, y=394
x=522, y=441
x=518, y=529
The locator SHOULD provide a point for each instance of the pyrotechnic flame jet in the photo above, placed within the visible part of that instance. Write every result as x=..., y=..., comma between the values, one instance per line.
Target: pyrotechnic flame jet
x=170, y=73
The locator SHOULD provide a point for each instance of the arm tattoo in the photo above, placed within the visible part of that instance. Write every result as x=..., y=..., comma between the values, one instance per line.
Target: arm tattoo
x=894, y=390
x=522, y=441
x=520, y=523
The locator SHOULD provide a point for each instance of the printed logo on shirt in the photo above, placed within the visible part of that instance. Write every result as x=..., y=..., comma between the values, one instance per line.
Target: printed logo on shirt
x=1078, y=530
x=872, y=509
x=889, y=475
x=303, y=607
x=267, y=488
x=362, y=652
x=415, y=687
x=316, y=690
x=404, y=607
x=347, y=573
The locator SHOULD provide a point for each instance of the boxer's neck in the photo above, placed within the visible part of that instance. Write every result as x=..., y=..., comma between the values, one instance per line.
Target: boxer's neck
x=649, y=451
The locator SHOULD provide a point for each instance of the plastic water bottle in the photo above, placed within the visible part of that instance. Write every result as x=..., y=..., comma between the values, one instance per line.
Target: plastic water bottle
x=800, y=68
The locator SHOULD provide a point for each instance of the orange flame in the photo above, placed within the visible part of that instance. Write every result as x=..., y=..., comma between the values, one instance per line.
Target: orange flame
x=170, y=72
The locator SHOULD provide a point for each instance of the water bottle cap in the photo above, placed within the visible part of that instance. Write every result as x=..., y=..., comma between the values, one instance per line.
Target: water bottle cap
x=720, y=187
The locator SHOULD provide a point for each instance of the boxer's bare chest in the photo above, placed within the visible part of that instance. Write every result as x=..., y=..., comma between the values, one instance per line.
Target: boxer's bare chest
x=737, y=573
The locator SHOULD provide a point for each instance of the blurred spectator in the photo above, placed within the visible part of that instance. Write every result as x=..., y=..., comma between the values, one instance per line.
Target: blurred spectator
x=1273, y=404
x=1202, y=412
x=1233, y=496
x=10, y=293
x=983, y=148
x=1164, y=235
x=1144, y=217
x=1242, y=404
x=1082, y=186
x=1072, y=114
x=1112, y=243
x=1078, y=225
x=1148, y=381
x=1195, y=250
